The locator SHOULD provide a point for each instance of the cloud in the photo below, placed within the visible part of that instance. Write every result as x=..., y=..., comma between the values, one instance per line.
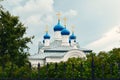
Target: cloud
x=108, y=41
x=70, y=13
x=12, y=3
x=35, y=7
x=35, y=14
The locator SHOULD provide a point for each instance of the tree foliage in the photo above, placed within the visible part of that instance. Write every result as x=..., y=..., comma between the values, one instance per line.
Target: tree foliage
x=14, y=52
x=106, y=65
x=13, y=44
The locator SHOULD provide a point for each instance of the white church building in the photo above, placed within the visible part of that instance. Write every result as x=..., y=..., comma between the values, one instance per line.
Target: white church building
x=63, y=47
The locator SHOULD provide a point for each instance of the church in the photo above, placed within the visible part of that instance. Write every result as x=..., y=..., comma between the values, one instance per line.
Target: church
x=63, y=47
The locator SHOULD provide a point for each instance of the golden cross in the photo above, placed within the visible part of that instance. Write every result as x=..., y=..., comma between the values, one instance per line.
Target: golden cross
x=58, y=14
x=46, y=29
x=65, y=19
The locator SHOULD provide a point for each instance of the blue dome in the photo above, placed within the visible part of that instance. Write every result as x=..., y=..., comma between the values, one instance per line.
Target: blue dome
x=72, y=36
x=65, y=32
x=46, y=36
x=58, y=27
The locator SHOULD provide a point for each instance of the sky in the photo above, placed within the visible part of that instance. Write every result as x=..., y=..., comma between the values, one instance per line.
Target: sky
x=97, y=22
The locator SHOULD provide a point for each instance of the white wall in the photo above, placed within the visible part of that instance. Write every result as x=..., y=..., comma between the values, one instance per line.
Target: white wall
x=35, y=62
x=72, y=42
x=72, y=53
x=54, y=60
x=47, y=42
x=65, y=40
x=57, y=35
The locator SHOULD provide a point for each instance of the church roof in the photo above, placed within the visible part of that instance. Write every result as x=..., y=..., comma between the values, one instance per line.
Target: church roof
x=55, y=43
x=57, y=52
x=47, y=54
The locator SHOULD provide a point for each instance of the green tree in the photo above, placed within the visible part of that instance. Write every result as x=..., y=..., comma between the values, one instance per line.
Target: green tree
x=105, y=65
x=13, y=44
